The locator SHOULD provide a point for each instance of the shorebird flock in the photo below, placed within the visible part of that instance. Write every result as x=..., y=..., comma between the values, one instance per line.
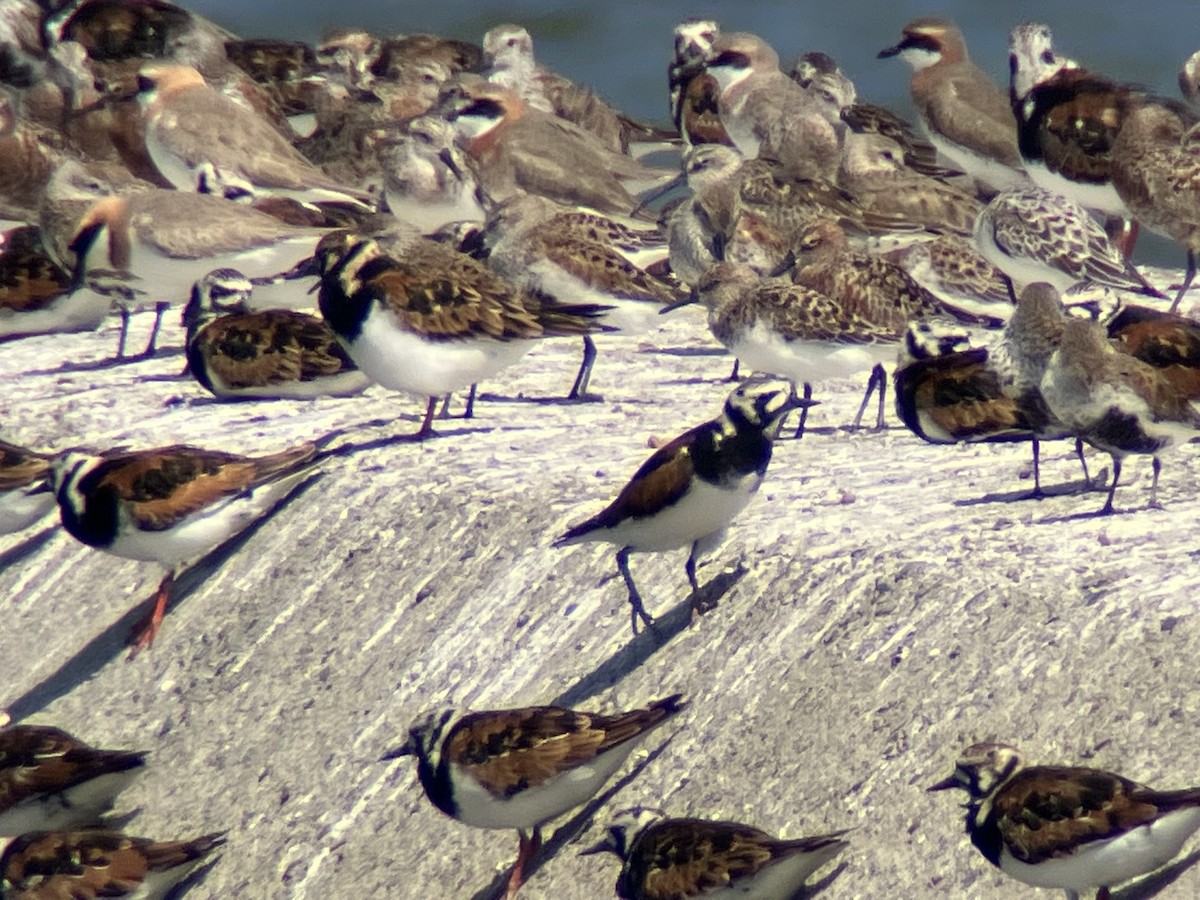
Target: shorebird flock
x=446, y=207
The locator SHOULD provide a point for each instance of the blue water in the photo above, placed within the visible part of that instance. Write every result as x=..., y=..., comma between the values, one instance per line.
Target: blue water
x=620, y=48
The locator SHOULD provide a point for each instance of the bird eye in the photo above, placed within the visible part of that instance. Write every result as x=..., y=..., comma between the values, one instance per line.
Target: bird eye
x=1048, y=57
x=511, y=42
x=144, y=85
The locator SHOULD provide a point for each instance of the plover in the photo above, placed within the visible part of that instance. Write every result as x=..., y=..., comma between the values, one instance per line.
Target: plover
x=426, y=179
x=517, y=148
x=171, y=504
x=51, y=780
x=90, y=865
x=791, y=330
x=235, y=353
x=767, y=114
x=966, y=115
x=874, y=171
x=1070, y=828
x=1067, y=121
x=1033, y=234
x=183, y=114
x=1156, y=171
x=519, y=768
x=558, y=253
x=688, y=492
x=705, y=858
x=1115, y=402
x=428, y=320
x=25, y=494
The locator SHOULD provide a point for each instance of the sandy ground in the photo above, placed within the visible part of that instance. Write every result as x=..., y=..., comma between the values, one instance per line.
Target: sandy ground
x=880, y=604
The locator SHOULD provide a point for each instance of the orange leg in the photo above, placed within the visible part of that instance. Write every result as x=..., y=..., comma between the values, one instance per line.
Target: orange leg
x=143, y=633
x=530, y=844
x=426, y=429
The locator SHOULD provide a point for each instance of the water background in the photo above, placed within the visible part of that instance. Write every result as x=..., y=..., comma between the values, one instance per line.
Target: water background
x=621, y=48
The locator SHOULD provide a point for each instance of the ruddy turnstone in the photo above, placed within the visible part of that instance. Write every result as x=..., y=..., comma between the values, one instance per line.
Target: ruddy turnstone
x=1071, y=828
x=679, y=859
x=1115, y=402
x=1189, y=79
x=51, y=780
x=791, y=330
x=1033, y=234
x=171, y=504
x=25, y=494
x=1169, y=342
x=695, y=108
x=89, y=865
x=567, y=254
x=429, y=320
x=252, y=159
x=767, y=114
x=519, y=768
x=235, y=353
x=517, y=148
x=1156, y=171
x=426, y=179
x=688, y=492
x=966, y=115
x=1067, y=121
x=874, y=171
x=37, y=295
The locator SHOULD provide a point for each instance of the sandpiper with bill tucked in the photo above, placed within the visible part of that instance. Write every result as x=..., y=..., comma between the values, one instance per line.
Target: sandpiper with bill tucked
x=1068, y=827
x=966, y=115
x=688, y=492
x=519, y=768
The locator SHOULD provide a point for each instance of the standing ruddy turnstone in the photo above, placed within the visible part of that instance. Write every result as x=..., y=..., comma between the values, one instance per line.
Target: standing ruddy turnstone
x=966, y=115
x=235, y=353
x=51, y=780
x=426, y=179
x=1156, y=171
x=1115, y=402
x=519, y=768
x=679, y=859
x=566, y=254
x=1033, y=234
x=767, y=114
x=170, y=505
x=183, y=114
x=1067, y=121
x=428, y=320
x=25, y=494
x=1067, y=827
x=790, y=330
x=90, y=865
x=693, y=92
x=688, y=492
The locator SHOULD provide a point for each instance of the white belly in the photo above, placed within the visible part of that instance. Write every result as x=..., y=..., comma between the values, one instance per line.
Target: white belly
x=536, y=804
x=1020, y=268
x=343, y=384
x=403, y=361
x=701, y=514
x=75, y=807
x=982, y=168
x=1101, y=197
x=81, y=310
x=778, y=881
x=803, y=362
x=1105, y=863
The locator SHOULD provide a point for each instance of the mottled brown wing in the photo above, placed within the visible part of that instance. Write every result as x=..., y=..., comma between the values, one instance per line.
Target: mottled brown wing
x=1045, y=812
x=1078, y=130
x=802, y=313
x=443, y=307
x=29, y=279
x=20, y=467
x=250, y=351
x=1169, y=343
x=74, y=865
x=689, y=857
x=32, y=762
x=660, y=482
x=595, y=264
x=699, y=116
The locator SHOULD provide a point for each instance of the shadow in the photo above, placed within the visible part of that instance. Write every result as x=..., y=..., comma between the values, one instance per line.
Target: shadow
x=821, y=884
x=589, y=400
x=112, y=641
x=194, y=878
x=1090, y=514
x=571, y=829
x=110, y=362
x=27, y=547
x=1153, y=885
x=649, y=642
x=1066, y=489
x=686, y=351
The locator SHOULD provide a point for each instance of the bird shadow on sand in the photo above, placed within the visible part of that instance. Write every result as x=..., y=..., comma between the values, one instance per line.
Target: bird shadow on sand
x=1153, y=885
x=687, y=351
x=1066, y=489
x=113, y=640
x=109, y=362
x=649, y=641
x=571, y=829
x=26, y=548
